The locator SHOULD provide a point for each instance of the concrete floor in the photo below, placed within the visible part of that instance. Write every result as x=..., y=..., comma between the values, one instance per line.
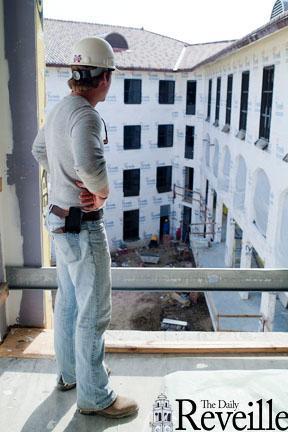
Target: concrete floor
x=231, y=303
x=212, y=257
x=30, y=403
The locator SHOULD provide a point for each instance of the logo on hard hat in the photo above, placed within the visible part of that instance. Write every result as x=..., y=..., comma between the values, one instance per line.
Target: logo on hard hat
x=77, y=58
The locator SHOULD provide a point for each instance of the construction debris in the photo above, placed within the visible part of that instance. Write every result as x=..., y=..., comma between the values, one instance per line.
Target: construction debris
x=193, y=296
x=150, y=258
x=182, y=298
x=148, y=310
x=173, y=325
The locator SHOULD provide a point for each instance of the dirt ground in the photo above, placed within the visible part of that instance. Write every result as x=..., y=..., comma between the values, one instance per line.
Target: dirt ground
x=145, y=310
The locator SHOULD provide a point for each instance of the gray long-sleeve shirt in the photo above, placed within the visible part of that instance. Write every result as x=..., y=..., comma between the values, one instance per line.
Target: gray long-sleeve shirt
x=70, y=148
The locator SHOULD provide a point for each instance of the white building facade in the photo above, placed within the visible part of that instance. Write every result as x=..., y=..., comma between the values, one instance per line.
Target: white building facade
x=251, y=182
x=217, y=147
x=149, y=201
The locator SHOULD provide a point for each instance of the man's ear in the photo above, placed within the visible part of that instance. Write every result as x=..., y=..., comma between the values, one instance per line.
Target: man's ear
x=107, y=76
x=103, y=83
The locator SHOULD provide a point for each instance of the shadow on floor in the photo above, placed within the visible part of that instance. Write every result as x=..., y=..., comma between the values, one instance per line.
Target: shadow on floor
x=56, y=410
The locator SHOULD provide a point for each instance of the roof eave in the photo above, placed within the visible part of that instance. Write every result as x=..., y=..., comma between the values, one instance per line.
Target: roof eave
x=273, y=26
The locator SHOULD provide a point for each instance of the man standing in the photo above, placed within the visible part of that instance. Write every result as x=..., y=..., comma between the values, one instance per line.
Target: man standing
x=70, y=148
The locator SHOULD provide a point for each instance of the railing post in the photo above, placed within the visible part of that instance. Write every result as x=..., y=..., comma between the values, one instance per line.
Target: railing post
x=267, y=309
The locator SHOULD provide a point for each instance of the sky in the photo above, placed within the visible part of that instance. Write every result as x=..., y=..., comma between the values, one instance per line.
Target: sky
x=191, y=21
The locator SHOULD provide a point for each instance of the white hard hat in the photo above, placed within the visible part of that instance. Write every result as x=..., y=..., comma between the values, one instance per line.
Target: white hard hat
x=93, y=51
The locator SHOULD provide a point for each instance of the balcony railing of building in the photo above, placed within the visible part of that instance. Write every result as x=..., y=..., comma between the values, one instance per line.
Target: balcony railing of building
x=183, y=280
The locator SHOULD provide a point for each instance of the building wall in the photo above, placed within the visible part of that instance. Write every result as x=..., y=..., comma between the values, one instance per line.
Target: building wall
x=11, y=235
x=272, y=50
x=148, y=114
x=5, y=132
x=20, y=199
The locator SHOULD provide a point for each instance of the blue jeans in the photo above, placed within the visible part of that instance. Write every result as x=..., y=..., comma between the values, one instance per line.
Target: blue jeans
x=82, y=310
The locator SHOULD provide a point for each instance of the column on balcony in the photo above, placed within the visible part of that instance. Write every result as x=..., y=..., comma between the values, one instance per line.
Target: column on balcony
x=230, y=238
x=24, y=58
x=218, y=220
x=246, y=255
x=209, y=212
x=267, y=309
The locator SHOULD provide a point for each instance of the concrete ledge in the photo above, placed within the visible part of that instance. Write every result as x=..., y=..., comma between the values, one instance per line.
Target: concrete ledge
x=38, y=343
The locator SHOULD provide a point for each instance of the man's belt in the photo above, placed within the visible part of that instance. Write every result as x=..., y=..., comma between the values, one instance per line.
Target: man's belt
x=86, y=216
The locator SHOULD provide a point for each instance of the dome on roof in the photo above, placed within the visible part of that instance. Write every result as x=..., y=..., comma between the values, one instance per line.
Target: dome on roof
x=280, y=6
x=116, y=40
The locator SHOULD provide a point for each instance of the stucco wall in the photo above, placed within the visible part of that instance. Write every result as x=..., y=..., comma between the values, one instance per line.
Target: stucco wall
x=11, y=235
x=272, y=50
x=268, y=51
x=148, y=114
x=20, y=212
x=5, y=127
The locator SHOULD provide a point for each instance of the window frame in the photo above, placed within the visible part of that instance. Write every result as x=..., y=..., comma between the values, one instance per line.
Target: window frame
x=218, y=101
x=166, y=131
x=244, y=102
x=134, y=180
x=266, y=101
x=193, y=97
x=132, y=96
x=166, y=96
x=136, y=211
x=188, y=191
x=126, y=137
x=164, y=188
x=210, y=84
x=189, y=148
x=229, y=96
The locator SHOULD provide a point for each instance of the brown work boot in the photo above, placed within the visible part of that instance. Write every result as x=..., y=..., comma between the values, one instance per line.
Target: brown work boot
x=121, y=407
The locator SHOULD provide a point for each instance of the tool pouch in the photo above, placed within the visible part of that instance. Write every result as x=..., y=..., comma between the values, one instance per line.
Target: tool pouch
x=73, y=220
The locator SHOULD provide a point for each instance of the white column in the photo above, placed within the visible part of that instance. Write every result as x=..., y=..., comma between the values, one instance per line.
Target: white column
x=195, y=217
x=267, y=309
x=246, y=257
x=209, y=211
x=230, y=235
x=218, y=220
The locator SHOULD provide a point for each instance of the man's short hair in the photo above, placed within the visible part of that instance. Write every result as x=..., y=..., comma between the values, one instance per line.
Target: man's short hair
x=84, y=84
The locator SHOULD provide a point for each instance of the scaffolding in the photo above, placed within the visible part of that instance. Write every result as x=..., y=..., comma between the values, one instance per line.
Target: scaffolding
x=206, y=219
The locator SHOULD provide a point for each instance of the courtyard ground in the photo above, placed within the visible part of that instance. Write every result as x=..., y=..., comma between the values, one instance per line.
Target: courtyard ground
x=145, y=310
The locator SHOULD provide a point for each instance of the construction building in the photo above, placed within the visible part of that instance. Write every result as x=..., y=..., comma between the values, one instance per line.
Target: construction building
x=196, y=134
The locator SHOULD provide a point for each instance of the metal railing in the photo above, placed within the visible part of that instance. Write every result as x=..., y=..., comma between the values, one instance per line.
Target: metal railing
x=170, y=280
x=164, y=279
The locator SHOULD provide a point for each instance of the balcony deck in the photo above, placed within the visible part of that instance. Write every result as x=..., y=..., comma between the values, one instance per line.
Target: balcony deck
x=30, y=403
x=140, y=362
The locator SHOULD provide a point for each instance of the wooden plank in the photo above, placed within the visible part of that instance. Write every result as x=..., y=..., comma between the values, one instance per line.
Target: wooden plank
x=28, y=343
x=197, y=342
x=48, y=309
x=4, y=292
x=38, y=343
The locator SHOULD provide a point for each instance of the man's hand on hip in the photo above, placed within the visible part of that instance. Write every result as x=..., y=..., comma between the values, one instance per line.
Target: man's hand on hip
x=90, y=201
